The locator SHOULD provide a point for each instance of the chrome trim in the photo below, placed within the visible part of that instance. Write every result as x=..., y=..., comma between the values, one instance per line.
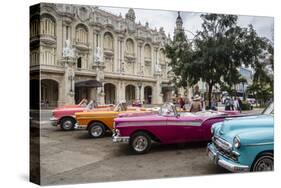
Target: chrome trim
x=54, y=121
x=222, y=144
x=161, y=123
x=78, y=126
x=233, y=167
x=118, y=139
x=259, y=144
x=235, y=153
x=219, y=159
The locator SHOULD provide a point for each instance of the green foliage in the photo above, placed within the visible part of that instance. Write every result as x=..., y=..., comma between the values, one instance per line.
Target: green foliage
x=262, y=92
x=246, y=105
x=216, y=52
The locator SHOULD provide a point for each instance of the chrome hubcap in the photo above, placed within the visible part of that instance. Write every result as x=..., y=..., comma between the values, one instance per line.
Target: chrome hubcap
x=67, y=124
x=96, y=131
x=264, y=164
x=140, y=143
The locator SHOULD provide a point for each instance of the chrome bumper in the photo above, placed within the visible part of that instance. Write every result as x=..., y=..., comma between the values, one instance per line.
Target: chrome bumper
x=117, y=139
x=54, y=121
x=77, y=126
x=218, y=159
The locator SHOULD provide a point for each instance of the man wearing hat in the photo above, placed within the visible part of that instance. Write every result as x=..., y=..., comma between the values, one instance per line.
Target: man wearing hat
x=196, y=105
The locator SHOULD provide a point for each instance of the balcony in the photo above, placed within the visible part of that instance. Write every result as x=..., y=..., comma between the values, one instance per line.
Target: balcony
x=108, y=52
x=81, y=45
x=45, y=38
x=130, y=57
x=147, y=61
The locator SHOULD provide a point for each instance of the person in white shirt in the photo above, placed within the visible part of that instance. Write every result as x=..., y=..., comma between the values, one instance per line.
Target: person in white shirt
x=236, y=104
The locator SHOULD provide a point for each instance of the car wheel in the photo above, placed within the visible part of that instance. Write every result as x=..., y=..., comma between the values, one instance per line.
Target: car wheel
x=140, y=143
x=96, y=130
x=67, y=124
x=264, y=162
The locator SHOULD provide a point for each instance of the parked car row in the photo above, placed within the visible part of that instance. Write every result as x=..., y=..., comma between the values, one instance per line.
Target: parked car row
x=237, y=142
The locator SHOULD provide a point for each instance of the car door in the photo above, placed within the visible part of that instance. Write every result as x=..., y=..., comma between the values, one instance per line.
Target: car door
x=175, y=131
x=192, y=129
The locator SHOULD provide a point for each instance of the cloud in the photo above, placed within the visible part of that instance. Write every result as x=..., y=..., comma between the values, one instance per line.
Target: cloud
x=192, y=21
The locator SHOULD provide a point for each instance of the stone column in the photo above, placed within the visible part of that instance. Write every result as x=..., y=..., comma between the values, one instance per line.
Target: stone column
x=93, y=93
x=142, y=93
x=116, y=50
x=69, y=81
x=122, y=91
x=140, y=55
x=158, y=89
x=122, y=62
x=61, y=98
x=100, y=90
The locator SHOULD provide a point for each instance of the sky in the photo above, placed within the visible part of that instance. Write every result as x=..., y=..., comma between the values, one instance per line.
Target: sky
x=191, y=21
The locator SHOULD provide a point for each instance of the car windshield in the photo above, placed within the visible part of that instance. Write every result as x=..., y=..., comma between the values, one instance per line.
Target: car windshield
x=89, y=106
x=269, y=109
x=120, y=107
x=168, y=109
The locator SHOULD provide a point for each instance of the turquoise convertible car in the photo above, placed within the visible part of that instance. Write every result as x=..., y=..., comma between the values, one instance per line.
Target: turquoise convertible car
x=244, y=144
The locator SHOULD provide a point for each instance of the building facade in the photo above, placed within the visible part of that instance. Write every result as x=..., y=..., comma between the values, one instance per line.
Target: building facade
x=121, y=59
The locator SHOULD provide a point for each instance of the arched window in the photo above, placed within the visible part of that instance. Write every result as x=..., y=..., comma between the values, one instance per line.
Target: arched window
x=130, y=93
x=109, y=91
x=108, y=41
x=47, y=25
x=81, y=34
x=130, y=47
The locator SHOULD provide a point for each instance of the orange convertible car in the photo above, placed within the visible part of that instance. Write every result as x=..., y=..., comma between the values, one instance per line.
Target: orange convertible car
x=98, y=122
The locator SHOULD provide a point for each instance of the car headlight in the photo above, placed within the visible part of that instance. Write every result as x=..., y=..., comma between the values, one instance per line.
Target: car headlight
x=236, y=142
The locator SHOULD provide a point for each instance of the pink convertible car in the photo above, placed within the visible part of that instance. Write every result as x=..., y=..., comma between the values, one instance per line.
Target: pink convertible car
x=167, y=127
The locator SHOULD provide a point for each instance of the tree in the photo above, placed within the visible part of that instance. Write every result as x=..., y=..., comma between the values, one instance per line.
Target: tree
x=216, y=53
x=262, y=92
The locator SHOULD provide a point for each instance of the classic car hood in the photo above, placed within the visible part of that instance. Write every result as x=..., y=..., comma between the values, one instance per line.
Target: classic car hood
x=232, y=127
x=99, y=113
x=154, y=117
x=95, y=113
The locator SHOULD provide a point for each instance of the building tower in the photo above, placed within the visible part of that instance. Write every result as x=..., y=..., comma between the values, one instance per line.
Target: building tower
x=179, y=23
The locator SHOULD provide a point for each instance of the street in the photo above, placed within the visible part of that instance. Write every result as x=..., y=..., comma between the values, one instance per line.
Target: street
x=73, y=157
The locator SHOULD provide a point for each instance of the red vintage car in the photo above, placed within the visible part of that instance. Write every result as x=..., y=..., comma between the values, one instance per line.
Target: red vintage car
x=64, y=118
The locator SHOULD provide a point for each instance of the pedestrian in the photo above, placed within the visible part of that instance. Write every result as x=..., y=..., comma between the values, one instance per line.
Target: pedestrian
x=213, y=104
x=232, y=103
x=196, y=105
x=182, y=103
x=227, y=103
x=236, y=104
x=240, y=104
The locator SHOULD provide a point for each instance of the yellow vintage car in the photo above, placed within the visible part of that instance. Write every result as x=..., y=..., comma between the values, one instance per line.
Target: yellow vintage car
x=98, y=122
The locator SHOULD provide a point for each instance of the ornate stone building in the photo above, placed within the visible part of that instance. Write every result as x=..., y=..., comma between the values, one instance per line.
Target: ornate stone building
x=86, y=52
